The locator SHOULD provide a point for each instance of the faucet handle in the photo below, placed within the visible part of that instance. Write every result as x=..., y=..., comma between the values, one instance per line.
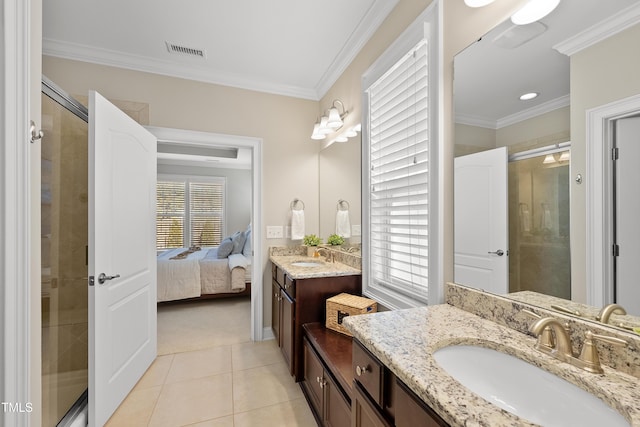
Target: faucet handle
x=589, y=358
x=545, y=339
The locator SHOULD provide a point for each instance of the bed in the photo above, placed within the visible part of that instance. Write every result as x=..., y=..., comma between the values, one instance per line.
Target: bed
x=185, y=274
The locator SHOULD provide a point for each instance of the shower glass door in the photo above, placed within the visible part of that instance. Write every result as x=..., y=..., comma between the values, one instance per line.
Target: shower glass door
x=64, y=257
x=539, y=256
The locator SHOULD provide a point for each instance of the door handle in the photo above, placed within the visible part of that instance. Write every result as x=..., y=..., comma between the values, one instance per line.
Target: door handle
x=499, y=252
x=103, y=278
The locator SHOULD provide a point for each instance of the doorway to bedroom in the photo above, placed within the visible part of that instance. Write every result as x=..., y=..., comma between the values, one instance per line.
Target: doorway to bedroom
x=209, y=199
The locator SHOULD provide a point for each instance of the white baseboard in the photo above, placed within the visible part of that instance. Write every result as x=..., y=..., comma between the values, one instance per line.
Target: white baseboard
x=267, y=334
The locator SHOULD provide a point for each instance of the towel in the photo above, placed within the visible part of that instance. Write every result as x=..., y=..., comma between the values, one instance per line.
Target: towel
x=525, y=219
x=545, y=219
x=297, y=224
x=343, y=226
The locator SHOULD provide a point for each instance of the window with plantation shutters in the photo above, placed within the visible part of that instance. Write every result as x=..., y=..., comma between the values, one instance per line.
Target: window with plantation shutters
x=398, y=199
x=190, y=211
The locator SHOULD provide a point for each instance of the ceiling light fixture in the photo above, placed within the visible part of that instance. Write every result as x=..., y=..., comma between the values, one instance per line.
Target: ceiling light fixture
x=332, y=121
x=477, y=3
x=533, y=11
x=528, y=96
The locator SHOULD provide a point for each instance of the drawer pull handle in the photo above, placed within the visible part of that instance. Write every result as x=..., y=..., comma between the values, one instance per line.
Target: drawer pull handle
x=361, y=370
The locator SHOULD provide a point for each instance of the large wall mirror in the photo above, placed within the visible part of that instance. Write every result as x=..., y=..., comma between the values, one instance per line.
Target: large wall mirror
x=516, y=232
x=340, y=189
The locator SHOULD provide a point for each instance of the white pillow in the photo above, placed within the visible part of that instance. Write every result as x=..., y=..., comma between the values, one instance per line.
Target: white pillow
x=246, y=251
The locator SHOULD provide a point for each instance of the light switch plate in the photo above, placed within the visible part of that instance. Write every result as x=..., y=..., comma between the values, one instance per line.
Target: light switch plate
x=355, y=230
x=274, y=232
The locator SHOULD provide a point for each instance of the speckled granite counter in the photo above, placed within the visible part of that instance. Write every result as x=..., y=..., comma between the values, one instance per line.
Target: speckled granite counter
x=404, y=341
x=327, y=269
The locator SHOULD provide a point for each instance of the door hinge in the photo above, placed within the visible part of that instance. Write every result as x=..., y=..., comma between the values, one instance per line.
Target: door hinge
x=616, y=250
x=615, y=153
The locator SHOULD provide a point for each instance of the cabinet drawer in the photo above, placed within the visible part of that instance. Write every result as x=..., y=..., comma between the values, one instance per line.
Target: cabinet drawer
x=289, y=286
x=279, y=276
x=368, y=371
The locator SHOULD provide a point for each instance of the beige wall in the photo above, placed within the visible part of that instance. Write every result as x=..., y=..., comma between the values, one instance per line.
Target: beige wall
x=545, y=129
x=605, y=72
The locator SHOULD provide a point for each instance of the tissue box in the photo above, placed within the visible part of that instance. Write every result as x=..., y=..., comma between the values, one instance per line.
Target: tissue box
x=343, y=305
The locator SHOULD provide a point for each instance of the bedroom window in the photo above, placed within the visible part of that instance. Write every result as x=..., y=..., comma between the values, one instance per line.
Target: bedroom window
x=190, y=211
x=399, y=183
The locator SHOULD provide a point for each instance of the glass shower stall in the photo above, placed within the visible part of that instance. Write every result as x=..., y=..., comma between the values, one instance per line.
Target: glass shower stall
x=64, y=238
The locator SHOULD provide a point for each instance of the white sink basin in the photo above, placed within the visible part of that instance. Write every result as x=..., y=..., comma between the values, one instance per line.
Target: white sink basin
x=525, y=390
x=307, y=264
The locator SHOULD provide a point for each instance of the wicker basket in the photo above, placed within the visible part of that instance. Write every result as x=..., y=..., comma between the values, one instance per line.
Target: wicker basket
x=343, y=305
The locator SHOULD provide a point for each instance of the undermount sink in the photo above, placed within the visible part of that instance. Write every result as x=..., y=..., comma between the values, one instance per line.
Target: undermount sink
x=523, y=389
x=307, y=264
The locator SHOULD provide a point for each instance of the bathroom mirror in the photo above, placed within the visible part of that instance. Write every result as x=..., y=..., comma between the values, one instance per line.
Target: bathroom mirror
x=490, y=76
x=339, y=166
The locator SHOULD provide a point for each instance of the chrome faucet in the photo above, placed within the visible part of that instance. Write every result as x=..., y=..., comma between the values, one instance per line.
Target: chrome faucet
x=328, y=254
x=608, y=310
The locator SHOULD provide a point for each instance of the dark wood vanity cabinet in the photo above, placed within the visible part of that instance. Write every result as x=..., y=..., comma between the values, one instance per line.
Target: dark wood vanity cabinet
x=380, y=399
x=302, y=301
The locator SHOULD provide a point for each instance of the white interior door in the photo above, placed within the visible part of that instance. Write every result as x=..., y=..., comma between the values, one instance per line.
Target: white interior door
x=122, y=311
x=627, y=208
x=481, y=221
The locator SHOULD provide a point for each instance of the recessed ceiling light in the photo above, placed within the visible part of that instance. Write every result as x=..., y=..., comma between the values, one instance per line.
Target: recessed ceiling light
x=528, y=96
x=477, y=3
x=533, y=11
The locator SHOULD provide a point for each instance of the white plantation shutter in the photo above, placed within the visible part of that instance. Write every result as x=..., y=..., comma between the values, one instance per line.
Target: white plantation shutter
x=206, y=208
x=190, y=211
x=398, y=177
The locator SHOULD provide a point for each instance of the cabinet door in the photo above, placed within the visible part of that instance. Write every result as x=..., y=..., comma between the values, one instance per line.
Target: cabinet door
x=337, y=412
x=364, y=412
x=410, y=411
x=313, y=378
x=287, y=328
x=275, y=311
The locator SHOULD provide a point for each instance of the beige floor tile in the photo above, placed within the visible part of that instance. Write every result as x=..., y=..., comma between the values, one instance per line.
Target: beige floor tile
x=294, y=413
x=136, y=409
x=263, y=386
x=218, y=422
x=199, y=363
x=254, y=354
x=157, y=372
x=193, y=401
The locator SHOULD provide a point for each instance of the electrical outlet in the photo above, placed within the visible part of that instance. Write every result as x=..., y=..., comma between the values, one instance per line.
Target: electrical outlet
x=355, y=230
x=274, y=232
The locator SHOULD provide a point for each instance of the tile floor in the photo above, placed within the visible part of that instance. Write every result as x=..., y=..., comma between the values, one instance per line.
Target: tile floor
x=216, y=378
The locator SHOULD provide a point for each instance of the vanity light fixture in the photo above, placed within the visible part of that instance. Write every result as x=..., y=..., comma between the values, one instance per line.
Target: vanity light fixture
x=533, y=11
x=565, y=156
x=330, y=122
x=548, y=159
x=528, y=96
x=349, y=133
x=477, y=3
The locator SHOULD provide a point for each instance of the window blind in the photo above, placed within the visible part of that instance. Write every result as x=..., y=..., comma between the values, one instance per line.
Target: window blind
x=189, y=212
x=399, y=170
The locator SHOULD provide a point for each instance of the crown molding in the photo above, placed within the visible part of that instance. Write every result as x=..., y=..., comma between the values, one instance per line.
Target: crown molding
x=369, y=24
x=79, y=52
x=554, y=104
x=613, y=25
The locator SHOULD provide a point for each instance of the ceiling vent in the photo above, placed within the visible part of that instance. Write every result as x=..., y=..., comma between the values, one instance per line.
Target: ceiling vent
x=184, y=50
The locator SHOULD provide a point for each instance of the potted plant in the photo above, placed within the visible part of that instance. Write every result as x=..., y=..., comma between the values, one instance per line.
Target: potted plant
x=335, y=240
x=311, y=241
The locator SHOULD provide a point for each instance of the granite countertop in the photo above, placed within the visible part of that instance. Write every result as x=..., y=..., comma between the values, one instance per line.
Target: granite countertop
x=327, y=269
x=404, y=341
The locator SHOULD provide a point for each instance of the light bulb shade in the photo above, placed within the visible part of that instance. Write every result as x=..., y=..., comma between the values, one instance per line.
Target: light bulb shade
x=334, y=120
x=350, y=133
x=533, y=11
x=548, y=159
x=342, y=138
x=324, y=127
x=477, y=3
x=317, y=134
x=565, y=156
